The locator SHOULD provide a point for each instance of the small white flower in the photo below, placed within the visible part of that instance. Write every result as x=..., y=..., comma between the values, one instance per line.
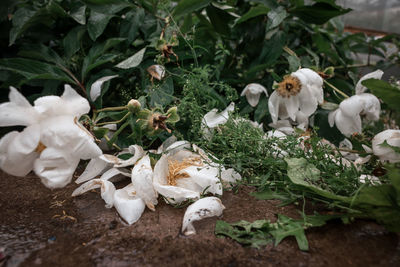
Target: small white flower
x=213, y=119
x=385, y=152
x=375, y=75
x=201, y=209
x=253, y=92
x=53, y=142
x=299, y=91
x=347, y=117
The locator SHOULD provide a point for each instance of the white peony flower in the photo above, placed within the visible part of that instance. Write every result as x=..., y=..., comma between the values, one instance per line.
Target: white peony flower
x=180, y=174
x=297, y=95
x=213, y=119
x=53, y=142
x=382, y=145
x=372, y=75
x=347, y=117
x=252, y=92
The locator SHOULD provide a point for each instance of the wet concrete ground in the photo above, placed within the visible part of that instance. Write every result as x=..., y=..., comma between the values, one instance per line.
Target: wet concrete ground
x=40, y=227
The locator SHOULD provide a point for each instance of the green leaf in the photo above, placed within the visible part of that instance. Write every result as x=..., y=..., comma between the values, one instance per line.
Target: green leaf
x=305, y=174
x=318, y=13
x=388, y=93
x=97, y=23
x=131, y=24
x=272, y=49
x=71, y=42
x=32, y=69
x=276, y=17
x=188, y=6
x=289, y=227
x=294, y=63
x=262, y=108
x=268, y=194
x=162, y=95
x=252, y=13
x=41, y=52
x=78, y=11
x=100, y=132
x=395, y=148
x=132, y=61
x=219, y=19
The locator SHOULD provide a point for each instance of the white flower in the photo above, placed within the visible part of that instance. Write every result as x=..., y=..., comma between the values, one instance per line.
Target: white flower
x=212, y=119
x=253, y=92
x=201, y=209
x=381, y=145
x=299, y=91
x=180, y=174
x=53, y=142
x=375, y=75
x=347, y=117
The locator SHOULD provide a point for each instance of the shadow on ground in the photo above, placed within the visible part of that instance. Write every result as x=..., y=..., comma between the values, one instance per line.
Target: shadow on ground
x=49, y=228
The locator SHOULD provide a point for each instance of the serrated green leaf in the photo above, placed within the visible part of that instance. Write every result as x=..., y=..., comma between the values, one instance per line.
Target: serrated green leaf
x=253, y=12
x=388, y=93
x=132, y=61
x=188, y=6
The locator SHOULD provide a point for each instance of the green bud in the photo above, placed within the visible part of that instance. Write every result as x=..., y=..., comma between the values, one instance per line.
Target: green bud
x=134, y=106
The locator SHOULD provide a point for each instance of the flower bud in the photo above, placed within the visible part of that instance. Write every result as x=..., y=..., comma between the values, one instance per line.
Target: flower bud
x=134, y=105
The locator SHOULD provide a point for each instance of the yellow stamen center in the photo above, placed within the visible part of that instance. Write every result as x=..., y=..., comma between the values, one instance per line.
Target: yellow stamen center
x=40, y=147
x=175, y=168
x=290, y=86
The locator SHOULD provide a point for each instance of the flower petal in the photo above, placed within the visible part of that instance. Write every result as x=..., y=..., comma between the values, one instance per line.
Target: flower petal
x=375, y=75
x=348, y=125
x=273, y=106
x=18, y=111
x=392, y=137
x=137, y=152
x=201, y=209
x=95, y=89
x=308, y=103
x=371, y=106
x=142, y=180
x=74, y=104
x=212, y=119
x=206, y=178
x=96, y=166
x=129, y=207
x=292, y=105
x=107, y=190
x=351, y=106
x=252, y=92
x=55, y=167
x=174, y=193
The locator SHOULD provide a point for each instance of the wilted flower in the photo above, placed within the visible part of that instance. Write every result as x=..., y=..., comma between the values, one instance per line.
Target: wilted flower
x=180, y=174
x=53, y=142
x=386, y=145
x=301, y=91
x=253, y=92
x=156, y=71
x=347, y=117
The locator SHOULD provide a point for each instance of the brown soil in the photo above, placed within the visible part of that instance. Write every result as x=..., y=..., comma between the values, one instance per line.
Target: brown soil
x=32, y=233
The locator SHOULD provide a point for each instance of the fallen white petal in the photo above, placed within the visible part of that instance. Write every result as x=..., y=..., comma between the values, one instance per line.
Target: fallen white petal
x=142, y=180
x=95, y=167
x=107, y=190
x=201, y=209
x=129, y=207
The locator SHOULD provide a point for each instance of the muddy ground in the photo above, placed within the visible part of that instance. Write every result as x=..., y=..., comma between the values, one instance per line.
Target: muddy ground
x=35, y=230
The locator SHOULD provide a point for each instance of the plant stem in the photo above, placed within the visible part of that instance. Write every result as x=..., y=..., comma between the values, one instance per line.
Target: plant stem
x=116, y=122
x=110, y=109
x=336, y=89
x=113, y=144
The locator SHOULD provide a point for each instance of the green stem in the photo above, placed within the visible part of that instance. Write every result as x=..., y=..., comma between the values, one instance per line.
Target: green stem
x=116, y=122
x=111, y=109
x=113, y=144
x=336, y=89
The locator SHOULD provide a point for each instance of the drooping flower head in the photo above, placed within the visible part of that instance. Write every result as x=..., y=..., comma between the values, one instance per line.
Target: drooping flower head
x=298, y=95
x=53, y=142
